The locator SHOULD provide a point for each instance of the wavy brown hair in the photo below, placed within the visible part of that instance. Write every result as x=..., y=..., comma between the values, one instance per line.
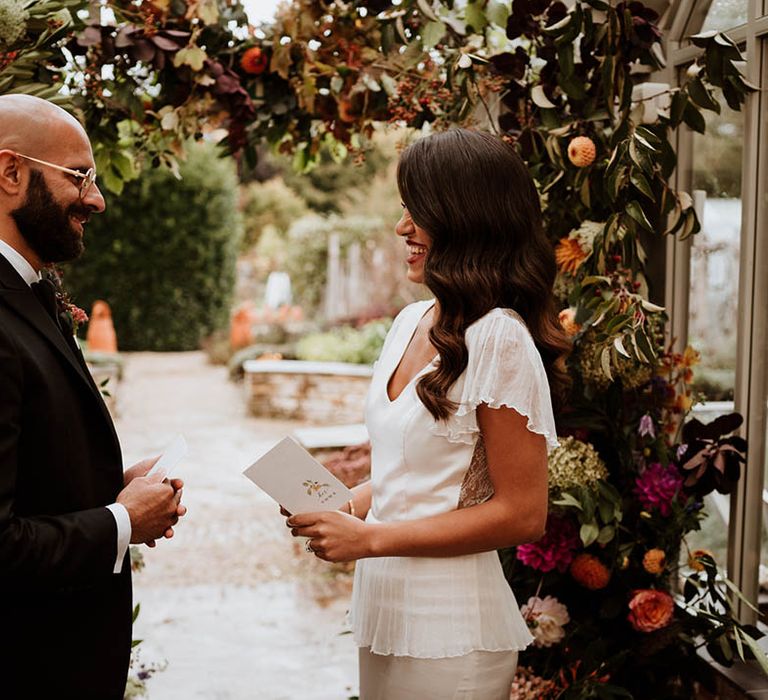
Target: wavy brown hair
x=473, y=195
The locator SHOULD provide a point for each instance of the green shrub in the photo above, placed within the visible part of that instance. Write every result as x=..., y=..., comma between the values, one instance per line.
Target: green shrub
x=163, y=255
x=360, y=346
x=305, y=252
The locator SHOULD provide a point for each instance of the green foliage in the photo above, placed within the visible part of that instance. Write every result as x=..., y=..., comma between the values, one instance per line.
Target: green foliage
x=30, y=36
x=306, y=252
x=357, y=345
x=163, y=255
x=269, y=203
x=325, y=187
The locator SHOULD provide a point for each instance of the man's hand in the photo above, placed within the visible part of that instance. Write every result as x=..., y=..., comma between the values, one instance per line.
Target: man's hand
x=153, y=507
x=139, y=469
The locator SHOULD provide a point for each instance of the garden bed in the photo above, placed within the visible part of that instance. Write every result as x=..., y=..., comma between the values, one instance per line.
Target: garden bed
x=318, y=392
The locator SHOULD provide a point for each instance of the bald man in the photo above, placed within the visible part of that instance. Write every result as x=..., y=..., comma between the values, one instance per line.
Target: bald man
x=67, y=510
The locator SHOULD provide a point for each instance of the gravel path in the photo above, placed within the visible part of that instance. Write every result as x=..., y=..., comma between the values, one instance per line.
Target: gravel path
x=235, y=607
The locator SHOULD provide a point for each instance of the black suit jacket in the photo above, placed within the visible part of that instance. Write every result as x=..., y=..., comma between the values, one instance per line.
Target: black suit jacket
x=65, y=618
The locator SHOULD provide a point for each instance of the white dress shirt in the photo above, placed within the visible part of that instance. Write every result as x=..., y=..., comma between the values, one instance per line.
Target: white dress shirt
x=119, y=512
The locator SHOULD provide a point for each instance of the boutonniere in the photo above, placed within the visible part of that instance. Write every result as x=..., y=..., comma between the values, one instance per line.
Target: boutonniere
x=71, y=316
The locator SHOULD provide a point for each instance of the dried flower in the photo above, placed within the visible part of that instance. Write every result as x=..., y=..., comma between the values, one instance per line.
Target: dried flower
x=545, y=618
x=590, y=572
x=13, y=22
x=650, y=610
x=632, y=373
x=696, y=557
x=654, y=561
x=555, y=550
x=646, y=427
x=658, y=486
x=582, y=151
x=528, y=686
x=575, y=463
x=570, y=255
x=254, y=60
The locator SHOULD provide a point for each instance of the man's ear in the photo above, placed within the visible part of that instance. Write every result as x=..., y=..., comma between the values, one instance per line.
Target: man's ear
x=10, y=173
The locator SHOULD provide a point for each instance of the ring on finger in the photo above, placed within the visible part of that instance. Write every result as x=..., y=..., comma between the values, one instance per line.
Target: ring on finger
x=308, y=546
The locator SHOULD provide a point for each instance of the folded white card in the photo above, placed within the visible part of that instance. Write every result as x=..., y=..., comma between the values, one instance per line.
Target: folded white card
x=296, y=480
x=169, y=460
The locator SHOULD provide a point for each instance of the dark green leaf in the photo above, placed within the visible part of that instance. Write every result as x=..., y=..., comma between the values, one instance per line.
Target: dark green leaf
x=700, y=95
x=734, y=93
x=694, y=118
x=566, y=59
x=641, y=183
x=679, y=101
x=636, y=212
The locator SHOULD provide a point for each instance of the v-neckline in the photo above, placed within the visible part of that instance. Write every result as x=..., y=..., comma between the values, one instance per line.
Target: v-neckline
x=402, y=355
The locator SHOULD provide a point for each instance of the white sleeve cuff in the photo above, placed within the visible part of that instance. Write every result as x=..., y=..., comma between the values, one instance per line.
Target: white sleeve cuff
x=123, y=522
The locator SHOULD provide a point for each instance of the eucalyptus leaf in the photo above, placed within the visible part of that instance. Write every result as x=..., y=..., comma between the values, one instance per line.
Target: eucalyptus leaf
x=567, y=500
x=475, y=17
x=588, y=533
x=636, y=212
x=759, y=654
x=605, y=363
x=641, y=183
x=619, y=345
x=432, y=33
x=426, y=9
x=694, y=118
x=700, y=95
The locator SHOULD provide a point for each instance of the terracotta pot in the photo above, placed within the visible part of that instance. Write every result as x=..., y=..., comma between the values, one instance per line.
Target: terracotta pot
x=101, y=332
x=240, y=335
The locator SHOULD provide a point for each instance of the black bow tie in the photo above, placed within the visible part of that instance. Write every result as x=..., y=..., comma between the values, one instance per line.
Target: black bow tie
x=45, y=291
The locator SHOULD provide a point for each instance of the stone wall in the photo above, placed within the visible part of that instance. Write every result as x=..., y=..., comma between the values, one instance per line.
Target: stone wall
x=318, y=392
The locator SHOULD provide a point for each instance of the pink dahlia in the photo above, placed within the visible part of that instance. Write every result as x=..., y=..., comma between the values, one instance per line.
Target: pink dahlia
x=553, y=551
x=658, y=486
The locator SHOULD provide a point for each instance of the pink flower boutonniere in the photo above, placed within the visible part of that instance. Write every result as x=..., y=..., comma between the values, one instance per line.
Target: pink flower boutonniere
x=71, y=316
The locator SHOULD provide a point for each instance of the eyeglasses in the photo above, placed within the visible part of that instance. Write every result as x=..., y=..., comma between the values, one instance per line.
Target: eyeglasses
x=88, y=177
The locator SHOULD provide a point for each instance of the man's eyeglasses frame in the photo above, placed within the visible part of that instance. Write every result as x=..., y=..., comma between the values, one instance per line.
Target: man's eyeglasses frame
x=88, y=177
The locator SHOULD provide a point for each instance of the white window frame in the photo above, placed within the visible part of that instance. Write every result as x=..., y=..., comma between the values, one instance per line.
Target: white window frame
x=751, y=391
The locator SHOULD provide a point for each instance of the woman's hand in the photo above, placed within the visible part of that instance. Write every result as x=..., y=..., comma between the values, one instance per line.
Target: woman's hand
x=333, y=536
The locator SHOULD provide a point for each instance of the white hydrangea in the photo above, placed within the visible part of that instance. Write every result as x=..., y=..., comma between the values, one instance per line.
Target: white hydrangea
x=13, y=22
x=574, y=463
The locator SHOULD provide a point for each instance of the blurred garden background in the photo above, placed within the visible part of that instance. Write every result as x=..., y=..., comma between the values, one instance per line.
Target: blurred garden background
x=247, y=153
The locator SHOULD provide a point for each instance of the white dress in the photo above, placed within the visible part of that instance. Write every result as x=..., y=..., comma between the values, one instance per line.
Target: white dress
x=441, y=607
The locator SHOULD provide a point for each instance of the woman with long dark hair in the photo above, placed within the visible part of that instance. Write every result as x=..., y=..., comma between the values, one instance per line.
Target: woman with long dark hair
x=460, y=419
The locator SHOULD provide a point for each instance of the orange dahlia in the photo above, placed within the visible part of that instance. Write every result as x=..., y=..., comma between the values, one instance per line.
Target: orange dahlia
x=254, y=60
x=654, y=561
x=582, y=151
x=569, y=255
x=590, y=572
x=650, y=610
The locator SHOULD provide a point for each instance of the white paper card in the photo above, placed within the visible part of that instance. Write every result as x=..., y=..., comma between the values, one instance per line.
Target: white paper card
x=169, y=460
x=296, y=480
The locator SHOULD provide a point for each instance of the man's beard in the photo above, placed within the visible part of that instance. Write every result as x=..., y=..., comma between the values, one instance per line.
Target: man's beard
x=46, y=225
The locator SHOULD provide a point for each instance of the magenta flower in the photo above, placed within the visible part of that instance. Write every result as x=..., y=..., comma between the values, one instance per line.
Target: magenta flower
x=555, y=550
x=658, y=486
x=646, y=427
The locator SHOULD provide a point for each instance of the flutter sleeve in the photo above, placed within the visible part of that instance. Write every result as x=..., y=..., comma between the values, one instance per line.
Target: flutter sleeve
x=504, y=369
